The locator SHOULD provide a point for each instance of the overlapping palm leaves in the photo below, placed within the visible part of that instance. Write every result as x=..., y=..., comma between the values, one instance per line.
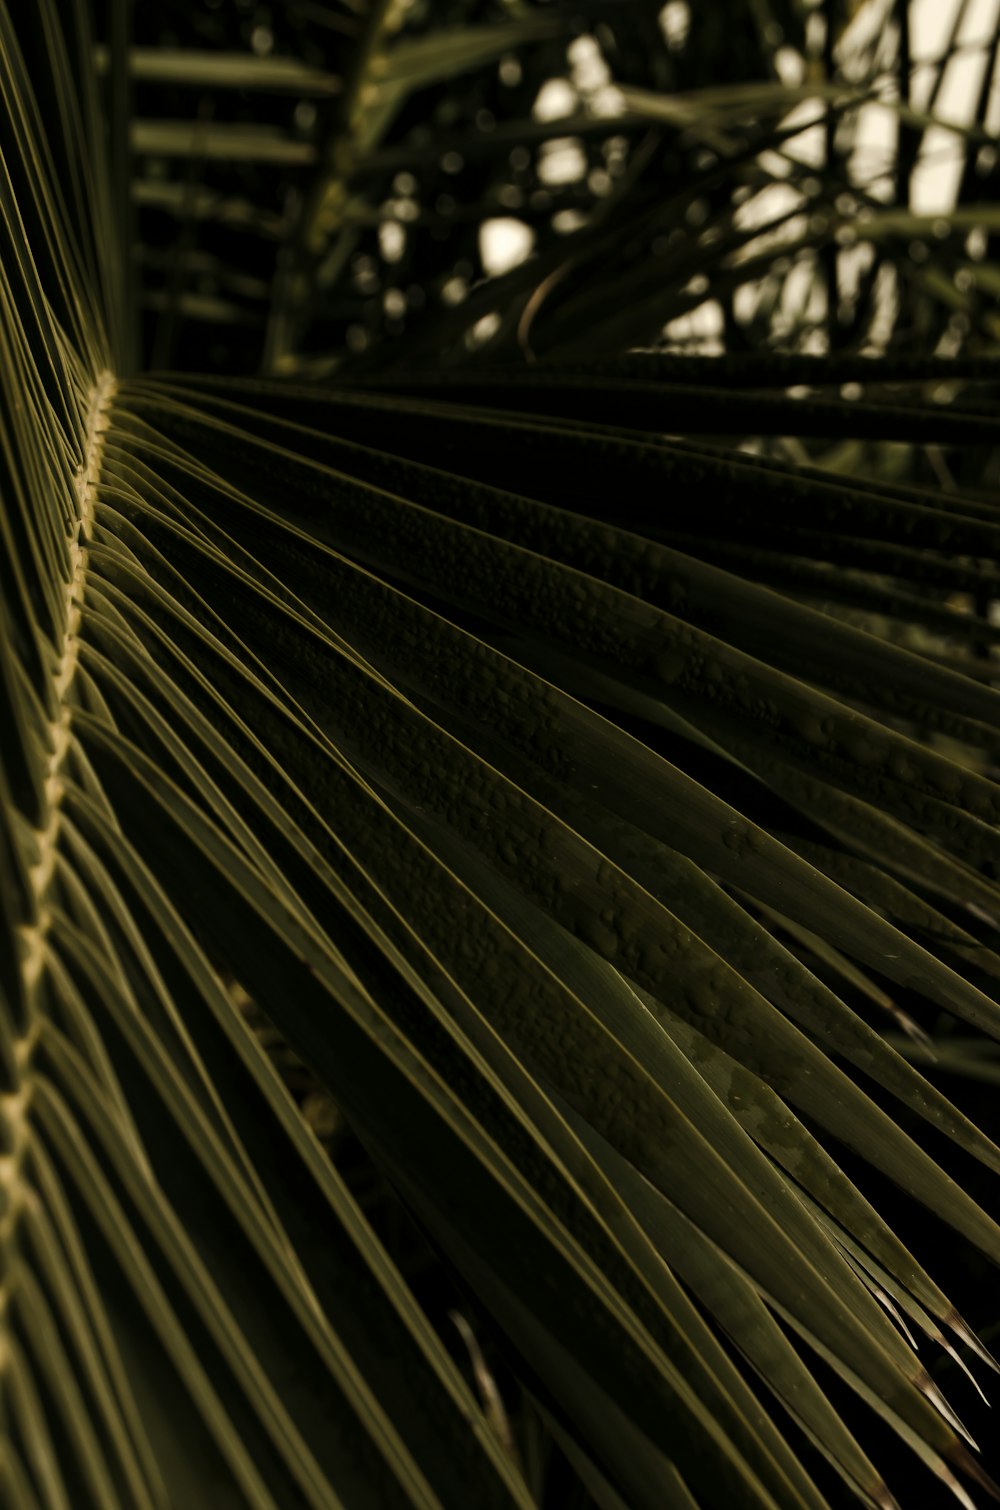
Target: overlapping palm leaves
x=367, y=151
x=492, y=742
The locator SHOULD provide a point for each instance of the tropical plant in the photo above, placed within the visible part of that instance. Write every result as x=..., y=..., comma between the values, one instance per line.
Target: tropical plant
x=570, y=767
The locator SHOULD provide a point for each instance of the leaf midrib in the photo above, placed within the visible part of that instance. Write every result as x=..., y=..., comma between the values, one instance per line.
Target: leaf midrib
x=98, y=407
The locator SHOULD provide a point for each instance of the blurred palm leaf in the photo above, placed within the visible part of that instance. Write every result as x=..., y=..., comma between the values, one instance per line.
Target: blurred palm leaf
x=508, y=745
x=418, y=136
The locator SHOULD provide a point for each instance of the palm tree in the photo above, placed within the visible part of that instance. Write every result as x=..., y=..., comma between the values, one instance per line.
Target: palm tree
x=456, y=749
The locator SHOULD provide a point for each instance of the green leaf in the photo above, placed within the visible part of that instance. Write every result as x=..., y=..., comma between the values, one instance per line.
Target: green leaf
x=562, y=784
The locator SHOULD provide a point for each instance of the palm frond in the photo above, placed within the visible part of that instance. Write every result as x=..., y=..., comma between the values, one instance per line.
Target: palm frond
x=509, y=744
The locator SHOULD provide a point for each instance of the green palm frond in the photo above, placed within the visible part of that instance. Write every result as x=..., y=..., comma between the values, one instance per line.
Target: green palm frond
x=575, y=793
